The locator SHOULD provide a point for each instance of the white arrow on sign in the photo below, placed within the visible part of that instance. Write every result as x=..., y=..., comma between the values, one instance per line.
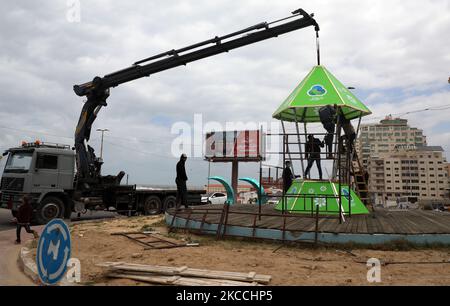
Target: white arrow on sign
x=62, y=266
x=44, y=272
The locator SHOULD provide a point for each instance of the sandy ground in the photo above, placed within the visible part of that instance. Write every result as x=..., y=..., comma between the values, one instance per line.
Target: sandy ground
x=288, y=265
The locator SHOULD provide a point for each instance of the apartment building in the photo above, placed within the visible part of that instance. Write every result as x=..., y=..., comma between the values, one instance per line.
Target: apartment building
x=385, y=136
x=400, y=164
x=419, y=173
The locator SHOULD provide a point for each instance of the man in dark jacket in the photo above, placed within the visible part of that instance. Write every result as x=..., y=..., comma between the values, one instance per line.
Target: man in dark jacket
x=327, y=116
x=181, y=182
x=24, y=218
x=312, y=149
x=288, y=177
x=350, y=134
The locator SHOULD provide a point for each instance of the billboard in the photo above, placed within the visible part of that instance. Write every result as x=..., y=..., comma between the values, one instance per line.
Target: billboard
x=244, y=146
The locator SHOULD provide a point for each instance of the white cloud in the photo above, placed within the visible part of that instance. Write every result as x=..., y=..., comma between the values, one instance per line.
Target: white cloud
x=379, y=47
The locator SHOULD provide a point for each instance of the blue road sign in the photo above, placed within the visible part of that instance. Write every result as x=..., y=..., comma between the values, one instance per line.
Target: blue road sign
x=53, y=252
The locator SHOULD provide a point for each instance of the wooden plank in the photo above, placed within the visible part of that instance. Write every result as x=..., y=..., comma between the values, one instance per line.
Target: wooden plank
x=385, y=225
x=362, y=226
x=187, y=272
x=181, y=281
x=379, y=228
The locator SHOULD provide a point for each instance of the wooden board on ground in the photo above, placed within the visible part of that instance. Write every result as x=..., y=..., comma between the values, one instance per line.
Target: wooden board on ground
x=186, y=272
x=181, y=281
x=154, y=241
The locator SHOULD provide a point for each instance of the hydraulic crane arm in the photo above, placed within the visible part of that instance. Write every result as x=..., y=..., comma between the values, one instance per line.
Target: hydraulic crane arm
x=97, y=91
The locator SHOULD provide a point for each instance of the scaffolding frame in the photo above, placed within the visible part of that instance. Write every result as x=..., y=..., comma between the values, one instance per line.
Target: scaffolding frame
x=343, y=169
x=287, y=214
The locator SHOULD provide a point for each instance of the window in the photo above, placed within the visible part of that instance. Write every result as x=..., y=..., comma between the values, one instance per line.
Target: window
x=19, y=162
x=47, y=162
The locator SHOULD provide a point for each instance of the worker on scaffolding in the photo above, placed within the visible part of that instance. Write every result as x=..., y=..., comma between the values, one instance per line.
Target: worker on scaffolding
x=327, y=116
x=181, y=182
x=288, y=176
x=313, y=152
x=350, y=134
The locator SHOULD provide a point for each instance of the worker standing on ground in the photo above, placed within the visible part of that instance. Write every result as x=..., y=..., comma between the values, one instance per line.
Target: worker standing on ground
x=312, y=151
x=288, y=177
x=181, y=182
x=327, y=116
x=24, y=218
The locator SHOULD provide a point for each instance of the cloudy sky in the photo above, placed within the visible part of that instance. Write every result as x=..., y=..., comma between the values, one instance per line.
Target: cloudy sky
x=396, y=53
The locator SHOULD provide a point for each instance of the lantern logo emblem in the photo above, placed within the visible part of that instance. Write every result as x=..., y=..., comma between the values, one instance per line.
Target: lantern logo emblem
x=317, y=91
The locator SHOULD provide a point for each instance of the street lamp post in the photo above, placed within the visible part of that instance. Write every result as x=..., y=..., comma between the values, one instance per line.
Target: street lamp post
x=101, y=146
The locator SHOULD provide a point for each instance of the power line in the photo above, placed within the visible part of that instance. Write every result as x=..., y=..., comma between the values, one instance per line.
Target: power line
x=427, y=109
x=71, y=137
x=148, y=153
x=34, y=132
x=445, y=107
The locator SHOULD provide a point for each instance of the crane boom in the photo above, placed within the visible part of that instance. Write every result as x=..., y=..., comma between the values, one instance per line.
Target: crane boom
x=97, y=91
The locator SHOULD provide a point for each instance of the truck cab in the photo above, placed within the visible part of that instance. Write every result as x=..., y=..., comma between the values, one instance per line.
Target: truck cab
x=46, y=173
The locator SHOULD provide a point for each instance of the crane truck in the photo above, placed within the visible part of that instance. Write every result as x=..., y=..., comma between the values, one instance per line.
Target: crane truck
x=61, y=179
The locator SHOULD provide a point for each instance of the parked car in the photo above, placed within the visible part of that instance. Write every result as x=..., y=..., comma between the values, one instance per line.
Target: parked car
x=215, y=198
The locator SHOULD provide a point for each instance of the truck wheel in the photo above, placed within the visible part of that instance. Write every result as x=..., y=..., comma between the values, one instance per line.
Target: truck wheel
x=170, y=202
x=50, y=208
x=152, y=206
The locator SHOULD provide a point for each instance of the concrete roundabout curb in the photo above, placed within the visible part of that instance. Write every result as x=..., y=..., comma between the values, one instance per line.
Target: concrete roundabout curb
x=28, y=265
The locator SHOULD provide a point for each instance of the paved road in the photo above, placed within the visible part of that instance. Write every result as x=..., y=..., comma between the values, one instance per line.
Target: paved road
x=10, y=273
x=5, y=218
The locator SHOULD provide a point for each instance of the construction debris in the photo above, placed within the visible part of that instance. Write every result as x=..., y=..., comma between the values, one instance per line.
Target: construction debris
x=154, y=241
x=184, y=276
x=181, y=281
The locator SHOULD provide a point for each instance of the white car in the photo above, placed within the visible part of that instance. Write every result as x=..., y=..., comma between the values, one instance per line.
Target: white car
x=215, y=198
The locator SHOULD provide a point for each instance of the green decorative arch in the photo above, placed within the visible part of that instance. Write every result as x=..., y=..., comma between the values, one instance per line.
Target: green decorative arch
x=255, y=184
x=228, y=188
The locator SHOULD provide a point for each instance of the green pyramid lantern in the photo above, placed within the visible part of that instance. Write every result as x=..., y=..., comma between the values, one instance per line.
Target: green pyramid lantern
x=318, y=89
